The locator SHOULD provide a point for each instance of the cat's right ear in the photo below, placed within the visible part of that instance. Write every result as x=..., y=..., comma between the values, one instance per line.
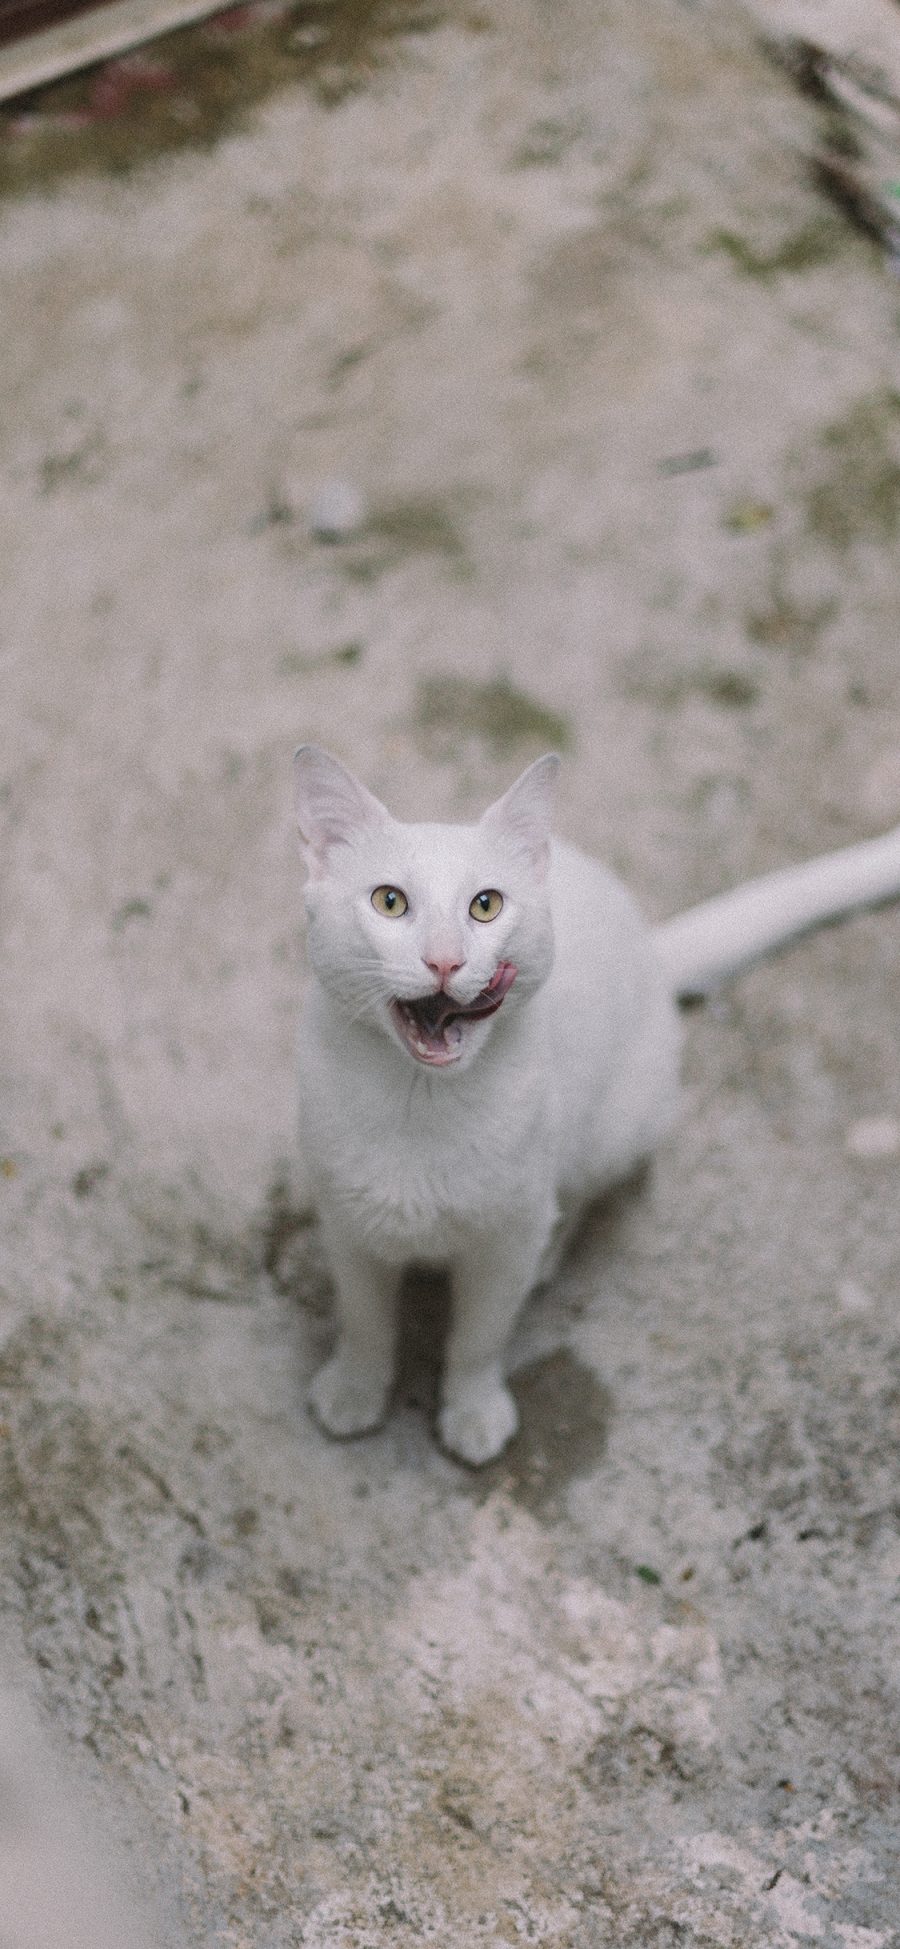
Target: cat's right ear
x=332, y=807
x=524, y=814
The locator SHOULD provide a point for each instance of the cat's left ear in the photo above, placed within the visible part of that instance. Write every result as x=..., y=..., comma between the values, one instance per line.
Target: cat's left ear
x=524, y=815
x=332, y=807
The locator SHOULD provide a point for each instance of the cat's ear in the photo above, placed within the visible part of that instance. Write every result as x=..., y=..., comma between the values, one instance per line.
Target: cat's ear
x=332, y=807
x=524, y=815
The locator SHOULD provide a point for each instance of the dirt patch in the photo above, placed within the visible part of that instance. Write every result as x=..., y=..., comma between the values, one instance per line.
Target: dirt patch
x=189, y=89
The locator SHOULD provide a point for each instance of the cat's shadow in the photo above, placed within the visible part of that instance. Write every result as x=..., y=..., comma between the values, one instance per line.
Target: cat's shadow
x=565, y=1410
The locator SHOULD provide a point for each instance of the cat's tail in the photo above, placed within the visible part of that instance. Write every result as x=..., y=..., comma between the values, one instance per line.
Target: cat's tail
x=709, y=943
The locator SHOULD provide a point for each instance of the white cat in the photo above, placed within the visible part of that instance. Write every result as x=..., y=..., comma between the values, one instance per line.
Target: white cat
x=490, y=1038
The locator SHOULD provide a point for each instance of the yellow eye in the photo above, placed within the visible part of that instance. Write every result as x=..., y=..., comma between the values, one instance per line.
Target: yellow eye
x=486, y=905
x=390, y=902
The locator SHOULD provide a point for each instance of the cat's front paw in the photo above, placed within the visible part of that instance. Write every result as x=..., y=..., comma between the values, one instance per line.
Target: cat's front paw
x=477, y=1424
x=347, y=1400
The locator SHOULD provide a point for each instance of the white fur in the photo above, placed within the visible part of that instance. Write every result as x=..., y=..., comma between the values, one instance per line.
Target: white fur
x=706, y=945
x=484, y=1166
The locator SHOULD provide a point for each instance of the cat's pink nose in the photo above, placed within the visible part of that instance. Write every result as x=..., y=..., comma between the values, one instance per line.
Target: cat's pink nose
x=443, y=969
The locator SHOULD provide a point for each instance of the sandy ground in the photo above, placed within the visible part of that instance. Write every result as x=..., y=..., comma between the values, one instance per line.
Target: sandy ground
x=554, y=291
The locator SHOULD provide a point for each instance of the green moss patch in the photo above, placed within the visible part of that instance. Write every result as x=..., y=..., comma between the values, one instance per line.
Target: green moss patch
x=669, y=689
x=787, y=625
x=398, y=531
x=451, y=709
x=419, y=525
x=858, y=495
x=801, y=250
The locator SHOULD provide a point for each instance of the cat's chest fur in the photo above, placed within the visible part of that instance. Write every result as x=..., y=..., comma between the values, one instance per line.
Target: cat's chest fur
x=416, y=1167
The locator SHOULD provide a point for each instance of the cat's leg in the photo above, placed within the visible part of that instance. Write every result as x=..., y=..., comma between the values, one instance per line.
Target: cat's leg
x=349, y=1395
x=478, y=1415
x=564, y=1233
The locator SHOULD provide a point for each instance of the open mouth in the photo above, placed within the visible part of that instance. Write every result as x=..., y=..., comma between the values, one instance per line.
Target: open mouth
x=433, y=1027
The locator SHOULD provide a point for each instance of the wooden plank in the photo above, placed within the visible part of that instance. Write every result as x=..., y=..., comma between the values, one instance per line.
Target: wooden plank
x=19, y=18
x=94, y=34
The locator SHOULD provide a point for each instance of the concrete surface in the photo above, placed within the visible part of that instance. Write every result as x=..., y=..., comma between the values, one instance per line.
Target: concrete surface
x=556, y=294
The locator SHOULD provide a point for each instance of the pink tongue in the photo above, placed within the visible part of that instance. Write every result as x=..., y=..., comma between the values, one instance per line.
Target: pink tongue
x=483, y=1004
x=499, y=984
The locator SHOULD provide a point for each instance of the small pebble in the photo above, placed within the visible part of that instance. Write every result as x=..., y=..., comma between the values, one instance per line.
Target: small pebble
x=337, y=511
x=874, y=1137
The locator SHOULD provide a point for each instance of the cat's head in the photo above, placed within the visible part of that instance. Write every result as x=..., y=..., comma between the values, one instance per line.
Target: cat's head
x=426, y=932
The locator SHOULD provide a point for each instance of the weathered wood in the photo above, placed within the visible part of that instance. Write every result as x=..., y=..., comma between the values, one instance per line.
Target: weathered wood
x=93, y=34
